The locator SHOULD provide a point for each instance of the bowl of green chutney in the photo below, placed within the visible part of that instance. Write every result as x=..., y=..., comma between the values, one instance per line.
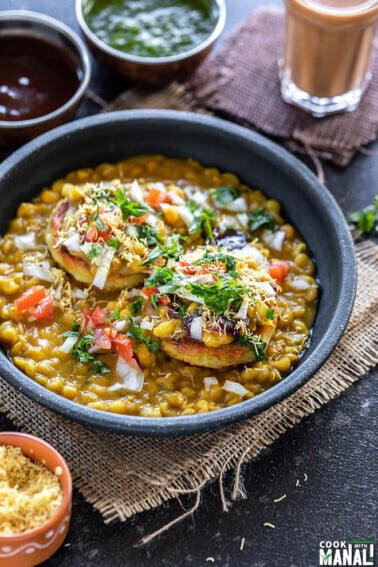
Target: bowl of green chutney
x=151, y=41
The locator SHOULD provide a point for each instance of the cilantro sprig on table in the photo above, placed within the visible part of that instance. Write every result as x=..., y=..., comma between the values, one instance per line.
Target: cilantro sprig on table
x=366, y=219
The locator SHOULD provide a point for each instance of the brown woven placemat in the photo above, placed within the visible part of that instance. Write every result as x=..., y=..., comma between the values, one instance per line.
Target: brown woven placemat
x=123, y=475
x=240, y=82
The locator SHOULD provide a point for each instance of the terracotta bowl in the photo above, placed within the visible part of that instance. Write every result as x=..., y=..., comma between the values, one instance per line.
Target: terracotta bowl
x=37, y=545
x=151, y=70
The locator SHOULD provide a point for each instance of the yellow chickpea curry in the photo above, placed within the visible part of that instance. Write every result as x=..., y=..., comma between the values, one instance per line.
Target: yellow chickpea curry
x=154, y=287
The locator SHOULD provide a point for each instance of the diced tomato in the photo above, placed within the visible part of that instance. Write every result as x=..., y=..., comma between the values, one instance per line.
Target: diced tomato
x=30, y=298
x=148, y=291
x=95, y=319
x=156, y=197
x=105, y=234
x=102, y=339
x=123, y=346
x=139, y=220
x=164, y=300
x=98, y=316
x=279, y=270
x=92, y=233
x=44, y=310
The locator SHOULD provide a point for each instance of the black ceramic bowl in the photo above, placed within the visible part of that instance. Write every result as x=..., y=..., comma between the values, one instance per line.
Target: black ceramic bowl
x=259, y=163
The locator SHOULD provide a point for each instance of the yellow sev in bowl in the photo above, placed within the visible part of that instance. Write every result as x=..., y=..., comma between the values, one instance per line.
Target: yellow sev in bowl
x=29, y=492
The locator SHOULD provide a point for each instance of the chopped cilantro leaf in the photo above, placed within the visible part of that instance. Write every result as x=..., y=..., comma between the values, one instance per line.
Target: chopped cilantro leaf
x=225, y=194
x=219, y=296
x=161, y=276
x=254, y=343
x=366, y=220
x=100, y=225
x=116, y=315
x=148, y=234
x=129, y=208
x=136, y=332
x=171, y=249
x=154, y=254
x=270, y=314
x=80, y=352
x=202, y=219
x=181, y=311
x=94, y=251
x=100, y=367
x=136, y=307
x=153, y=300
x=113, y=242
x=258, y=218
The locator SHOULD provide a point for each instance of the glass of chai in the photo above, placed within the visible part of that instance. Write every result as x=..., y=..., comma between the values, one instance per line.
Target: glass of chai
x=328, y=53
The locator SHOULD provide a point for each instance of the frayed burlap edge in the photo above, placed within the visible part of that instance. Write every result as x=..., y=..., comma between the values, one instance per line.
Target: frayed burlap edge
x=123, y=475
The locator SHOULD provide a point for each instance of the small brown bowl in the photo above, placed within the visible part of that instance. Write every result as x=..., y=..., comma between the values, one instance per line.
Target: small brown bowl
x=151, y=70
x=32, y=26
x=37, y=545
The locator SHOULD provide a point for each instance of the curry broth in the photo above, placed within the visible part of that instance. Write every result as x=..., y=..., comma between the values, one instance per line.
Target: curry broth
x=171, y=387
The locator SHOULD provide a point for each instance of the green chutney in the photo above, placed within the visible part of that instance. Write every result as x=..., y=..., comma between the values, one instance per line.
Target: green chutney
x=150, y=28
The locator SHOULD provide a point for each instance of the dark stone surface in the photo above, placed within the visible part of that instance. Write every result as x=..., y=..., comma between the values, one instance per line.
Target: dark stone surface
x=335, y=447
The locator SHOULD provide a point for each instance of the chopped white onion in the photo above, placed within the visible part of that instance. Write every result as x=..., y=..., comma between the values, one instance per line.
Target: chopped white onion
x=266, y=288
x=147, y=325
x=25, y=241
x=35, y=271
x=196, y=328
x=131, y=230
x=210, y=381
x=200, y=278
x=195, y=194
x=79, y=293
x=103, y=267
x=239, y=205
x=249, y=251
x=120, y=325
x=189, y=296
x=68, y=344
x=274, y=239
x=136, y=193
x=299, y=284
x=58, y=292
x=72, y=243
x=151, y=220
x=132, y=378
x=134, y=292
x=185, y=214
x=175, y=199
x=235, y=388
x=243, y=309
x=226, y=222
x=243, y=219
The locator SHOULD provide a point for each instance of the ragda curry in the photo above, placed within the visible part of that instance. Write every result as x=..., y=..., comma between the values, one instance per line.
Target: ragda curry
x=155, y=287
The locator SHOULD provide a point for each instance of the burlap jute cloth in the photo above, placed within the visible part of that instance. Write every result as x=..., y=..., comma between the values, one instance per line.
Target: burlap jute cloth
x=241, y=83
x=123, y=475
